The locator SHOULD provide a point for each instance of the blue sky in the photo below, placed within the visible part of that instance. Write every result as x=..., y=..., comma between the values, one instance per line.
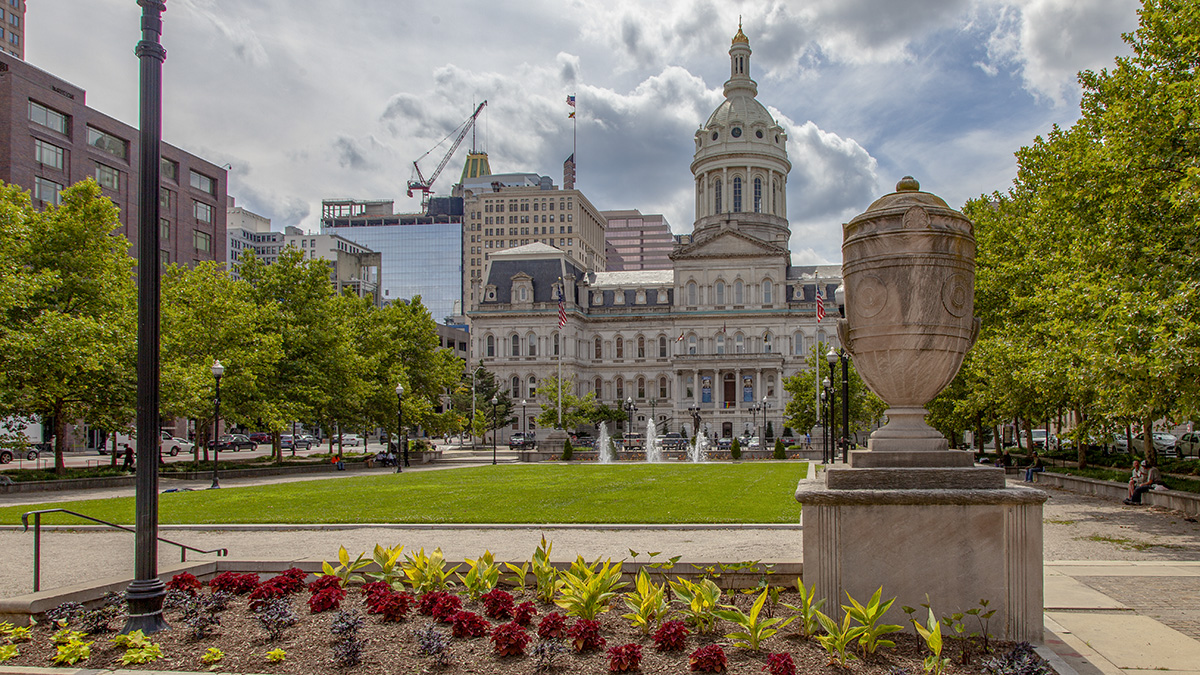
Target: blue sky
x=311, y=100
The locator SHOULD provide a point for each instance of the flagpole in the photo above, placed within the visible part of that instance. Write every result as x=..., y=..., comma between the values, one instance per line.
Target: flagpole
x=574, y=129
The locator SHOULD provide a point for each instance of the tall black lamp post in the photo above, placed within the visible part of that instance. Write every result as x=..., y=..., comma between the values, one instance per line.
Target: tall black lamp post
x=826, y=407
x=524, y=425
x=401, y=463
x=840, y=297
x=832, y=357
x=629, y=408
x=145, y=594
x=495, y=427
x=217, y=370
x=766, y=405
x=754, y=408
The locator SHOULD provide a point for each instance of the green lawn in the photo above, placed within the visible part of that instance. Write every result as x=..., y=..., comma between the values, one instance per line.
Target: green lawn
x=637, y=493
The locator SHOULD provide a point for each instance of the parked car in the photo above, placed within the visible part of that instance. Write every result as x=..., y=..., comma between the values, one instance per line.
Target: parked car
x=634, y=441
x=1039, y=439
x=173, y=445
x=260, y=436
x=7, y=455
x=1164, y=443
x=1188, y=444
x=520, y=441
x=582, y=440
x=724, y=443
x=287, y=443
x=352, y=440
x=167, y=444
x=234, y=442
x=673, y=441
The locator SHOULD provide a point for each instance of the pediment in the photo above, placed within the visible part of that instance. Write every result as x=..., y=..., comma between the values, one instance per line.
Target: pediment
x=729, y=244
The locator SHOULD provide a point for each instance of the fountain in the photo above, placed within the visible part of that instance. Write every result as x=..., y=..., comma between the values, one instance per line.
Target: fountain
x=604, y=450
x=653, y=445
x=698, y=451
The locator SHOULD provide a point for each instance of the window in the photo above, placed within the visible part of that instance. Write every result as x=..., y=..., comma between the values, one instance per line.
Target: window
x=202, y=211
x=47, y=155
x=691, y=293
x=202, y=241
x=491, y=345
x=532, y=386
x=555, y=344
x=720, y=293
x=515, y=388
x=738, y=292
x=662, y=387
x=767, y=291
x=767, y=343
x=620, y=383
x=14, y=20
x=108, y=177
x=164, y=228
x=598, y=349
x=717, y=195
x=720, y=344
x=51, y=119
x=203, y=183
x=737, y=194
x=164, y=257
x=165, y=198
x=47, y=191
x=758, y=195
x=641, y=388
x=516, y=345
x=532, y=344
x=690, y=384
x=169, y=169
x=14, y=39
x=740, y=342
x=107, y=142
x=620, y=348
x=662, y=347
x=692, y=344
x=599, y=383
x=641, y=348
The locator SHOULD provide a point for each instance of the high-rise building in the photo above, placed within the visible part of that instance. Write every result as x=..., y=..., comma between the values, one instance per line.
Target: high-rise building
x=50, y=139
x=12, y=27
x=637, y=242
x=421, y=254
x=248, y=231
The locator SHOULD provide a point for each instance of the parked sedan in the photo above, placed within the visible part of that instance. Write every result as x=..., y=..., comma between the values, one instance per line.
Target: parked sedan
x=261, y=436
x=353, y=440
x=287, y=443
x=1188, y=444
x=235, y=442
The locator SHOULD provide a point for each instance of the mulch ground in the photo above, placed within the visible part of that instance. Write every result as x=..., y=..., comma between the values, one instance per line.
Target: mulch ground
x=392, y=647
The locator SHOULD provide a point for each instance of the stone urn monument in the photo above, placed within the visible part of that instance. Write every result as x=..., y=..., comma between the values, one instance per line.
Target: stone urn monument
x=907, y=514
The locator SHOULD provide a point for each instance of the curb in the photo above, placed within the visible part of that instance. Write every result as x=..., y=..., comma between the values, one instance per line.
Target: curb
x=269, y=527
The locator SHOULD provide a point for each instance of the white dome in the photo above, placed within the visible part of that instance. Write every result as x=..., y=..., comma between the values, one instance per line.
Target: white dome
x=743, y=110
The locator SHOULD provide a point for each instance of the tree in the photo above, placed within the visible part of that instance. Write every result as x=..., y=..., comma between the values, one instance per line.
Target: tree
x=866, y=408
x=486, y=387
x=577, y=410
x=69, y=339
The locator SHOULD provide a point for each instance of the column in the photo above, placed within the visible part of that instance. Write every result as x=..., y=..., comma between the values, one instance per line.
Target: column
x=737, y=388
x=696, y=387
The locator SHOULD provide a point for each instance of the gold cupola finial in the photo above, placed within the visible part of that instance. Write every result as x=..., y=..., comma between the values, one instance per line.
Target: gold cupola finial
x=740, y=37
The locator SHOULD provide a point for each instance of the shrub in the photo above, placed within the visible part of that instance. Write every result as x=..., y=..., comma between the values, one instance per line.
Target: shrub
x=468, y=625
x=670, y=636
x=780, y=664
x=568, y=450
x=185, y=582
x=326, y=599
x=510, y=639
x=428, y=601
x=235, y=584
x=735, y=449
x=275, y=616
x=347, y=651
x=523, y=613
x=546, y=651
x=624, y=658
x=447, y=607
x=780, y=450
x=321, y=583
x=585, y=590
x=710, y=659
x=202, y=612
x=267, y=590
x=390, y=604
x=1020, y=660
x=497, y=604
x=290, y=582
x=65, y=613
x=97, y=620
x=585, y=635
x=554, y=625
x=433, y=643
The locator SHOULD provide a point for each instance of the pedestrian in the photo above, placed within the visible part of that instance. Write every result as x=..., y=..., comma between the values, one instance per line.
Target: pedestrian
x=808, y=440
x=1035, y=467
x=1152, y=480
x=127, y=460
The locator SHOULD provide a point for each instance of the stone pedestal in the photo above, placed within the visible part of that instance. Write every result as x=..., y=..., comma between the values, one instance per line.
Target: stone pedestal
x=552, y=442
x=949, y=547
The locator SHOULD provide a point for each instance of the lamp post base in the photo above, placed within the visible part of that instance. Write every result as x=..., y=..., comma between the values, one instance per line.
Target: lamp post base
x=145, y=599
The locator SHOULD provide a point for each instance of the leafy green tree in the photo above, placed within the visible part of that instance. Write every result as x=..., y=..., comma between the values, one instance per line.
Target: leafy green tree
x=866, y=408
x=69, y=319
x=577, y=411
x=486, y=386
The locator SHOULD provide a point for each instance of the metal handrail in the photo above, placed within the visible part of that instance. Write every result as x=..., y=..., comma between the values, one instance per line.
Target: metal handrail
x=37, y=540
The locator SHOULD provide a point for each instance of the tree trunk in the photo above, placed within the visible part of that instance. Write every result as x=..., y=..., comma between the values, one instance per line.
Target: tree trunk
x=1129, y=438
x=979, y=434
x=1081, y=444
x=60, y=439
x=277, y=447
x=1148, y=442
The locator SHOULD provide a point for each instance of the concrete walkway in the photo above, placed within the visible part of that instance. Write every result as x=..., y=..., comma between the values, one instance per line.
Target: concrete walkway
x=1122, y=583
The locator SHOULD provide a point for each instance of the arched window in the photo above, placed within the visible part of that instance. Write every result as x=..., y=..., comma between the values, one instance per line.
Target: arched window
x=720, y=293
x=662, y=387
x=620, y=384
x=739, y=293
x=692, y=344
x=641, y=352
x=515, y=390
x=798, y=344
x=599, y=348
x=767, y=292
x=491, y=345
x=767, y=343
x=717, y=195
x=692, y=298
x=620, y=348
x=740, y=342
x=556, y=344
x=516, y=345
x=532, y=386
x=721, y=344
x=662, y=347
x=641, y=391
x=532, y=345
x=524, y=297
x=737, y=194
x=599, y=387
x=758, y=195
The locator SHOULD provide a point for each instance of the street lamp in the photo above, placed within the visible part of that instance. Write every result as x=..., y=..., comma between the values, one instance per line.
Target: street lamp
x=832, y=357
x=629, y=408
x=827, y=396
x=400, y=427
x=840, y=297
x=524, y=425
x=494, y=427
x=217, y=370
x=766, y=405
x=754, y=408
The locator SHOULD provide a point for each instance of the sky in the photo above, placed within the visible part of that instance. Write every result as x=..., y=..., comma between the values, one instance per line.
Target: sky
x=308, y=100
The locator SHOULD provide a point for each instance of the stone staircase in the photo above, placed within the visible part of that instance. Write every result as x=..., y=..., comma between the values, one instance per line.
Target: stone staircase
x=480, y=455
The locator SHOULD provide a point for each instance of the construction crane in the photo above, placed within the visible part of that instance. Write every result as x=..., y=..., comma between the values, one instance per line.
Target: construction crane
x=425, y=185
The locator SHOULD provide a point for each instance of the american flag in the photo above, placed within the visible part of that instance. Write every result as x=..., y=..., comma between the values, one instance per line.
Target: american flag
x=820, y=306
x=571, y=100
x=562, y=310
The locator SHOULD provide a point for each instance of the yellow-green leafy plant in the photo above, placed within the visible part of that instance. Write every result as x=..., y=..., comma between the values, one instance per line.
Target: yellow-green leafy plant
x=837, y=638
x=276, y=656
x=482, y=577
x=72, y=650
x=64, y=635
x=517, y=580
x=807, y=609
x=138, y=648
x=388, y=560
x=647, y=603
x=544, y=572
x=699, y=600
x=212, y=656
x=754, y=630
x=8, y=652
x=931, y=633
x=428, y=572
x=346, y=569
x=585, y=590
x=868, y=616
x=14, y=634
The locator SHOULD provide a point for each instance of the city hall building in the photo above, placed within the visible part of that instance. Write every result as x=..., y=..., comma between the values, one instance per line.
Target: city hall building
x=719, y=330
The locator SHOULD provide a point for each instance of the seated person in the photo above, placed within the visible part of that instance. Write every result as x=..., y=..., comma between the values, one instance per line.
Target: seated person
x=1035, y=467
x=1004, y=459
x=1152, y=478
x=1137, y=476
